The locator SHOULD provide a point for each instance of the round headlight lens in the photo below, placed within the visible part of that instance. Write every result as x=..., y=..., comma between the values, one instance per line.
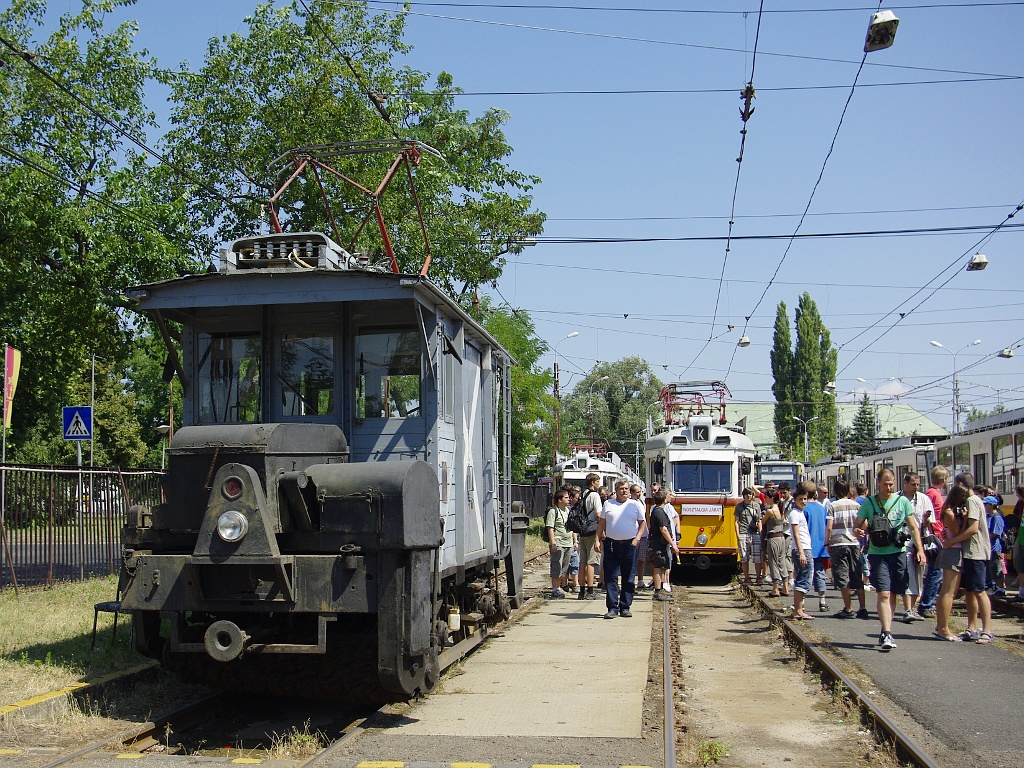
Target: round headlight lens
x=232, y=526
x=702, y=539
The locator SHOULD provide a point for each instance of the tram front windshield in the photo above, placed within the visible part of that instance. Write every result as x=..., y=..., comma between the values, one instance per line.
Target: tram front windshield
x=702, y=477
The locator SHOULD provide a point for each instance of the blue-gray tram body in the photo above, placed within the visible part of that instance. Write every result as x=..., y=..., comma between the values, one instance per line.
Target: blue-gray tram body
x=335, y=508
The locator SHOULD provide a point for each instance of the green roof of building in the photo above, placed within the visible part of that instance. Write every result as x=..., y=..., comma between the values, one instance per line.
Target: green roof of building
x=895, y=419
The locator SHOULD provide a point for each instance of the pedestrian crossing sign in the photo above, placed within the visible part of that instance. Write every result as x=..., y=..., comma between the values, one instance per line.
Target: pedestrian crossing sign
x=78, y=422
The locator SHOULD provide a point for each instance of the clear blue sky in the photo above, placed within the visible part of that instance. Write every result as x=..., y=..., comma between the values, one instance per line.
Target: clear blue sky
x=618, y=161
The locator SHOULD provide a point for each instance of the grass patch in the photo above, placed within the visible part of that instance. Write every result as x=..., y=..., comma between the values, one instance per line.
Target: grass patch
x=710, y=751
x=295, y=743
x=45, y=635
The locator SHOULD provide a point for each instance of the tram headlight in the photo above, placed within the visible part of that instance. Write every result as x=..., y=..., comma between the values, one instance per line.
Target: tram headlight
x=702, y=538
x=232, y=526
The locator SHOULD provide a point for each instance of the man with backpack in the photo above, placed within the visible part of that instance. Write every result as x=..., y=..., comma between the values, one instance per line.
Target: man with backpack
x=884, y=516
x=561, y=542
x=589, y=546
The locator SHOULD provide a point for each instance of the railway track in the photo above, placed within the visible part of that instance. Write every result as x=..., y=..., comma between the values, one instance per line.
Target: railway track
x=882, y=725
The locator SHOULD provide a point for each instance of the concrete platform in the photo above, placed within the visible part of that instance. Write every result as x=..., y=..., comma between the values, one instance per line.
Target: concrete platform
x=536, y=678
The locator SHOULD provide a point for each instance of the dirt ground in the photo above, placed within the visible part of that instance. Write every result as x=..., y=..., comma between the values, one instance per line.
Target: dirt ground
x=746, y=693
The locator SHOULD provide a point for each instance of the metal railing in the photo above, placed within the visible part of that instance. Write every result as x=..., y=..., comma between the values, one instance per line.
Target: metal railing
x=64, y=523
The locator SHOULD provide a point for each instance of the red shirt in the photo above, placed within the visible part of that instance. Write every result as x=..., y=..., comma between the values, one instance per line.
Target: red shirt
x=935, y=496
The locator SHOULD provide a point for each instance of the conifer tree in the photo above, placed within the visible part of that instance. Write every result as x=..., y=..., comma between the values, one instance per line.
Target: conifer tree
x=863, y=435
x=782, y=371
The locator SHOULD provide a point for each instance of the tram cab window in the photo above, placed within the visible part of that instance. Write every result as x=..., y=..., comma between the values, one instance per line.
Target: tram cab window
x=702, y=477
x=307, y=375
x=387, y=373
x=229, y=378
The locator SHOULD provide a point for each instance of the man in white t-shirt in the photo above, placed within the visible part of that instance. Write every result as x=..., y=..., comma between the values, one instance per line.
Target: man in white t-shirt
x=622, y=525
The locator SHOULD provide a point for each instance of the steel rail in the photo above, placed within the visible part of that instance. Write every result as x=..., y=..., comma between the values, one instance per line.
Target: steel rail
x=670, y=727
x=902, y=740
x=138, y=732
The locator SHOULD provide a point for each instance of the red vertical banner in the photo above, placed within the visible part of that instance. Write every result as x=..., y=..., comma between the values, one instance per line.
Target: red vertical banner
x=12, y=364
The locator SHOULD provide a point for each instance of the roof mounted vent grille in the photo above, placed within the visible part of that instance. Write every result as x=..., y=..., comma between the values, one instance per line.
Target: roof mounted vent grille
x=294, y=250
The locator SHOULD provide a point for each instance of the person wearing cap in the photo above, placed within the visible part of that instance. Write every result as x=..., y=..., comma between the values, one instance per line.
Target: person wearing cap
x=996, y=527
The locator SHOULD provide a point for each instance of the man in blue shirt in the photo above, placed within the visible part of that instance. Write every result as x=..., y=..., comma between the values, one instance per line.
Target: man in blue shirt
x=817, y=517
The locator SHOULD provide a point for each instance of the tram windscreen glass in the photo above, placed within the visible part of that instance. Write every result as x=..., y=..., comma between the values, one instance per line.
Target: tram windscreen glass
x=388, y=374
x=702, y=477
x=229, y=378
x=307, y=375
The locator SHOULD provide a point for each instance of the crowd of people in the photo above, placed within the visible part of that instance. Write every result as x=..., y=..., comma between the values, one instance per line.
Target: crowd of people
x=916, y=550
x=617, y=538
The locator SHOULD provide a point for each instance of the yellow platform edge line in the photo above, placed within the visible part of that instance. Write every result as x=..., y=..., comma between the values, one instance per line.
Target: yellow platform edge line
x=18, y=705
x=247, y=761
x=11, y=751
x=130, y=756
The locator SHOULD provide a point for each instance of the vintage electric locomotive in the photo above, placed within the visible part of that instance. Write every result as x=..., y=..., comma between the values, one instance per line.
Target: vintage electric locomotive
x=336, y=507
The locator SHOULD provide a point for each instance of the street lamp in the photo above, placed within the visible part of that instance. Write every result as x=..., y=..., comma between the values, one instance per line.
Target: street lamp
x=558, y=397
x=807, y=452
x=590, y=402
x=874, y=393
x=165, y=431
x=956, y=387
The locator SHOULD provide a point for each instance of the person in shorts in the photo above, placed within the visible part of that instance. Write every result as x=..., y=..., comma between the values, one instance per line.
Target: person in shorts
x=844, y=550
x=589, y=546
x=803, y=559
x=560, y=542
x=954, y=510
x=748, y=534
x=977, y=550
x=662, y=545
x=889, y=575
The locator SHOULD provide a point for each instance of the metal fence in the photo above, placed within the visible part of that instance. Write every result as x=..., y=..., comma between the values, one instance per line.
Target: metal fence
x=64, y=523
x=534, y=497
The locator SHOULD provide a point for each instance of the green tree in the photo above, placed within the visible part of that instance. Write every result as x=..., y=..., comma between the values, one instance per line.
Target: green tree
x=614, y=398
x=783, y=385
x=814, y=369
x=294, y=80
x=514, y=330
x=863, y=435
x=83, y=215
x=803, y=379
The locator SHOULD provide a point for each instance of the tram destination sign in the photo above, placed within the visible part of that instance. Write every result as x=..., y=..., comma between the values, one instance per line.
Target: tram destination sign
x=701, y=509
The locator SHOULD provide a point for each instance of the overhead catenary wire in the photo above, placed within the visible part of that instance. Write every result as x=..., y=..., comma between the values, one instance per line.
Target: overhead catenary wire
x=119, y=129
x=367, y=91
x=953, y=265
x=746, y=111
x=697, y=46
x=110, y=204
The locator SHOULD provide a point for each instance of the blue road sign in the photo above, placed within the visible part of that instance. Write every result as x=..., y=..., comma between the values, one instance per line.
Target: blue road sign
x=77, y=422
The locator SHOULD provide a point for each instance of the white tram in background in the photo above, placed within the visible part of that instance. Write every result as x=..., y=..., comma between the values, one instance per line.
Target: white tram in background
x=594, y=456
x=901, y=455
x=777, y=471
x=704, y=466
x=992, y=450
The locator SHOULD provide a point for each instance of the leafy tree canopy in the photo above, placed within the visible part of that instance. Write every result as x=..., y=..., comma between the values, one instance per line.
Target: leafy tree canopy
x=514, y=330
x=295, y=80
x=611, y=403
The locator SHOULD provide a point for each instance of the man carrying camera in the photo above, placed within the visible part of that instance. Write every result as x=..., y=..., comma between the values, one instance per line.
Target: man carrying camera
x=883, y=517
